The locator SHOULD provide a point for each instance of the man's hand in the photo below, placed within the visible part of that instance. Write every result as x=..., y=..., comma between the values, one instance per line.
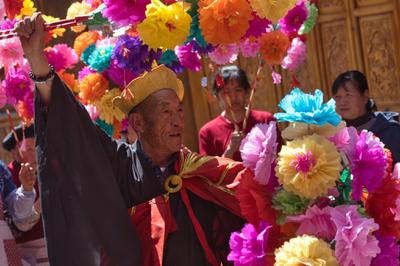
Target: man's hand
x=27, y=177
x=234, y=144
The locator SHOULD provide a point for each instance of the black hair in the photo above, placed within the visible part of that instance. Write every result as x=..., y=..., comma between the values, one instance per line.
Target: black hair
x=9, y=142
x=232, y=72
x=359, y=81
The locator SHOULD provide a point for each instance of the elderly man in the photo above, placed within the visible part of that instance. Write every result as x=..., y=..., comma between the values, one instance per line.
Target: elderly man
x=185, y=207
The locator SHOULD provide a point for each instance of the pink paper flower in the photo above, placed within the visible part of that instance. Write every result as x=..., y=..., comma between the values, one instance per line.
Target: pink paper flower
x=316, y=222
x=258, y=150
x=276, y=77
x=249, y=48
x=224, y=54
x=11, y=52
x=355, y=245
x=345, y=140
x=257, y=26
x=390, y=252
x=119, y=76
x=55, y=58
x=296, y=55
x=92, y=110
x=188, y=57
x=250, y=245
x=125, y=12
x=84, y=72
x=7, y=24
x=68, y=53
x=294, y=18
x=17, y=85
x=3, y=97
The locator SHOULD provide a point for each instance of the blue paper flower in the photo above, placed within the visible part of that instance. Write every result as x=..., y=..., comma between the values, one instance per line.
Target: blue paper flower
x=99, y=60
x=105, y=127
x=308, y=108
x=170, y=60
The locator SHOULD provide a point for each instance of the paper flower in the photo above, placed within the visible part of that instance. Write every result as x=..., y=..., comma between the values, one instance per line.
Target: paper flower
x=27, y=10
x=299, y=129
x=25, y=108
x=17, y=85
x=84, y=40
x=188, y=57
x=6, y=24
x=84, y=72
x=384, y=207
x=68, y=53
x=308, y=166
x=305, y=250
x=249, y=247
x=164, y=26
x=119, y=76
x=55, y=58
x=355, y=245
x=13, y=7
x=69, y=80
x=311, y=19
x=368, y=164
x=308, y=108
x=295, y=18
x=92, y=87
x=224, y=21
x=249, y=48
x=272, y=9
x=76, y=9
x=316, y=222
x=288, y=203
x=258, y=150
x=170, y=59
x=132, y=55
x=125, y=12
x=296, y=55
x=11, y=52
x=107, y=128
x=224, y=54
x=92, y=111
x=108, y=112
x=257, y=26
x=3, y=97
x=274, y=46
x=390, y=252
x=58, y=32
x=100, y=58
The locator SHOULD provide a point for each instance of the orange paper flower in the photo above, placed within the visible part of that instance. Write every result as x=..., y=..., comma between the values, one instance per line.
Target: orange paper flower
x=92, y=87
x=84, y=40
x=69, y=80
x=77, y=9
x=274, y=46
x=224, y=21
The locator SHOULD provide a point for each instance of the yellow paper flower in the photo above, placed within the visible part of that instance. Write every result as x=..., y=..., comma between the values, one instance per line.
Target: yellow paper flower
x=297, y=130
x=77, y=9
x=305, y=250
x=164, y=26
x=92, y=87
x=272, y=9
x=308, y=166
x=59, y=32
x=224, y=21
x=27, y=10
x=108, y=112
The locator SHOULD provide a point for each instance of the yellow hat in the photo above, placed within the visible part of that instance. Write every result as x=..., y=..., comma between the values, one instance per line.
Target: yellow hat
x=160, y=77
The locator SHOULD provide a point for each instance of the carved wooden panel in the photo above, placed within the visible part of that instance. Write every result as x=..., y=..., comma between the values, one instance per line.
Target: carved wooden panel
x=335, y=48
x=363, y=3
x=330, y=6
x=381, y=57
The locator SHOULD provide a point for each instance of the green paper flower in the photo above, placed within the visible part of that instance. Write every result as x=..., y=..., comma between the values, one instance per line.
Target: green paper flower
x=311, y=20
x=288, y=203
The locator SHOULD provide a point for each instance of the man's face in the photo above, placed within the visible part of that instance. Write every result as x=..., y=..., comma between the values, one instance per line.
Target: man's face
x=236, y=94
x=163, y=122
x=350, y=103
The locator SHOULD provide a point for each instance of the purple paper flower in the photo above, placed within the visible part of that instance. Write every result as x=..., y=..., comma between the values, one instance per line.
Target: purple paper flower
x=316, y=222
x=257, y=26
x=390, y=252
x=369, y=163
x=17, y=85
x=294, y=18
x=296, y=55
x=355, y=245
x=249, y=246
x=250, y=48
x=258, y=151
x=125, y=12
x=188, y=57
x=119, y=76
x=132, y=55
x=200, y=49
x=84, y=72
x=56, y=58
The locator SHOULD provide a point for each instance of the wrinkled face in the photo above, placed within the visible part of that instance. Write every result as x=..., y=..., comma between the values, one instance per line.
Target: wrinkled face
x=162, y=126
x=236, y=94
x=350, y=103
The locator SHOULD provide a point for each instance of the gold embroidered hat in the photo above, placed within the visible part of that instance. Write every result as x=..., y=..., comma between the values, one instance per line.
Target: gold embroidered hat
x=160, y=77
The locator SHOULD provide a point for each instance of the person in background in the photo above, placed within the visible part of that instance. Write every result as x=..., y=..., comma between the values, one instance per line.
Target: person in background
x=353, y=103
x=31, y=242
x=222, y=136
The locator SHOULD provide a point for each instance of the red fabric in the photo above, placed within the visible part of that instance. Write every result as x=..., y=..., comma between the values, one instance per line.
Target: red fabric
x=215, y=135
x=37, y=230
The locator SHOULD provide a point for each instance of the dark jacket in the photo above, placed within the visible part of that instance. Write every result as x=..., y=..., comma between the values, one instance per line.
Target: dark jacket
x=387, y=128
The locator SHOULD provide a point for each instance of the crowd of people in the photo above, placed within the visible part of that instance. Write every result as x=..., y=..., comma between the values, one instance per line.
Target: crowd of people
x=87, y=181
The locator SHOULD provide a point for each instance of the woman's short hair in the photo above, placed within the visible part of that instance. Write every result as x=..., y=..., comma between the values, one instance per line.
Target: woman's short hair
x=232, y=72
